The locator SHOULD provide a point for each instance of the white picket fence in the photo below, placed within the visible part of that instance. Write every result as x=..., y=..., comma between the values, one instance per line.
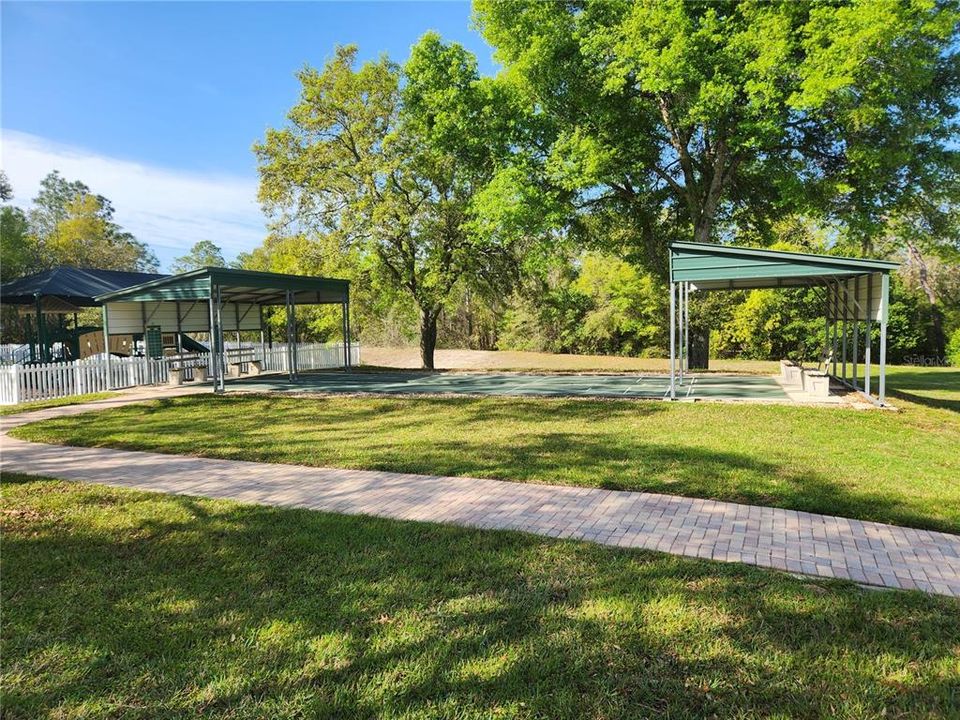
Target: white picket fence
x=27, y=383
x=309, y=357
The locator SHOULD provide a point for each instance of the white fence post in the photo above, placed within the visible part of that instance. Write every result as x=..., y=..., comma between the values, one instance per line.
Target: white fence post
x=10, y=385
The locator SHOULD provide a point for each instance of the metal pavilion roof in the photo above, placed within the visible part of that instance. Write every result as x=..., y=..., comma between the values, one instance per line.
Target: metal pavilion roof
x=262, y=288
x=722, y=267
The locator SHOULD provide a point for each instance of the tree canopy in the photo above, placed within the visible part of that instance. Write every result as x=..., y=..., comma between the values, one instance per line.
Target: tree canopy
x=390, y=162
x=203, y=254
x=68, y=225
x=674, y=119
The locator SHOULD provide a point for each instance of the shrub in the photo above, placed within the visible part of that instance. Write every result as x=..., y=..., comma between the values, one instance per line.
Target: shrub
x=953, y=349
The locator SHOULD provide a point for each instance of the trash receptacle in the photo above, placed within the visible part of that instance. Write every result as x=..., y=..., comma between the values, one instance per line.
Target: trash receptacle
x=699, y=349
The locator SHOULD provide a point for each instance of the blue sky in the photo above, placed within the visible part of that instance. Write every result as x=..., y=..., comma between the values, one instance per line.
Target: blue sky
x=156, y=105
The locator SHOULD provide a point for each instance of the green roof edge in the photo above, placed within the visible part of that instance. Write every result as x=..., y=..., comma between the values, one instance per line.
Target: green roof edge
x=211, y=272
x=869, y=263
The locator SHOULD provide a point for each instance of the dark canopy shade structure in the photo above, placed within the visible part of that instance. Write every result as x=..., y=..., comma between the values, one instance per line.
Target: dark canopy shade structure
x=216, y=299
x=856, y=291
x=75, y=286
x=62, y=291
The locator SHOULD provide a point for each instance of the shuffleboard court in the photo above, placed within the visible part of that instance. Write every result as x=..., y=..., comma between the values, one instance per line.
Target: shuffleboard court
x=707, y=386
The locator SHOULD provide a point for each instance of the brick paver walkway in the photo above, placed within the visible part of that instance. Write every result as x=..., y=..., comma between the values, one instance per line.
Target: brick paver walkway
x=821, y=545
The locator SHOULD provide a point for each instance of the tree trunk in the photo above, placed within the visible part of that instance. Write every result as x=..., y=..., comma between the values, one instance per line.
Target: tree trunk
x=428, y=336
x=702, y=230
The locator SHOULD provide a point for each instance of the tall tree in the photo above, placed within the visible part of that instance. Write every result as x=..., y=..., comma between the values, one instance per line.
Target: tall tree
x=86, y=237
x=388, y=162
x=72, y=226
x=17, y=249
x=203, y=254
x=50, y=205
x=669, y=117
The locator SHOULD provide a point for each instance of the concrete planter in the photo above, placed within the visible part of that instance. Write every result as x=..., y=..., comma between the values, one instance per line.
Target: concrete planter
x=791, y=373
x=816, y=383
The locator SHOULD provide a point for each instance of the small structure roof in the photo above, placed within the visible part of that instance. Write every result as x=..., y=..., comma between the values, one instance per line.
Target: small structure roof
x=723, y=267
x=250, y=286
x=77, y=286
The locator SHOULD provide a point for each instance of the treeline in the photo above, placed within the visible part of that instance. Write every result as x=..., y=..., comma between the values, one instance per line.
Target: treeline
x=597, y=303
x=533, y=209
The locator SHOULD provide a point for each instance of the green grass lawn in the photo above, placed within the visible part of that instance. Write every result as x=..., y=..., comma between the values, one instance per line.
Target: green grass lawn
x=57, y=402
x=902, y=467
x=134, y=605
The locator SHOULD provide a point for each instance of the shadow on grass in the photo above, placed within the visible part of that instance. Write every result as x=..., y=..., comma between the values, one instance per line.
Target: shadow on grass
x=181, y=607
x=900, y=384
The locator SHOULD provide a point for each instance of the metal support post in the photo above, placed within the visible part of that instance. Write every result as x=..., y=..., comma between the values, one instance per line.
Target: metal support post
x=293, y=326
x=673, y=340
x=106, y=347
x=343, y=332
x=349, y=338
x=289, y=338
x=856, y=330
x=680, y=331
x=884, y=311
x=868, y=339
x=833, y=328
x=826, y=325
x=686, y=326
x=43, y=352
x=214, y=364
x=222, y=352
x=179, y=332
x=681, y=292
x=263, y=347
x=846, y=305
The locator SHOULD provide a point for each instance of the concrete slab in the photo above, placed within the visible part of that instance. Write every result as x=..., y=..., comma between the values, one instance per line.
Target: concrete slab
x=697, y=387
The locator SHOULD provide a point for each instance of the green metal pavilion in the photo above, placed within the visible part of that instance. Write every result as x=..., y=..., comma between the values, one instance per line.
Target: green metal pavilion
x=213, y=300
x=856, y=293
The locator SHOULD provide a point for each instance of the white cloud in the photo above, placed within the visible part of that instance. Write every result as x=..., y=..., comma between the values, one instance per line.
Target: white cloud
x=166, y=208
